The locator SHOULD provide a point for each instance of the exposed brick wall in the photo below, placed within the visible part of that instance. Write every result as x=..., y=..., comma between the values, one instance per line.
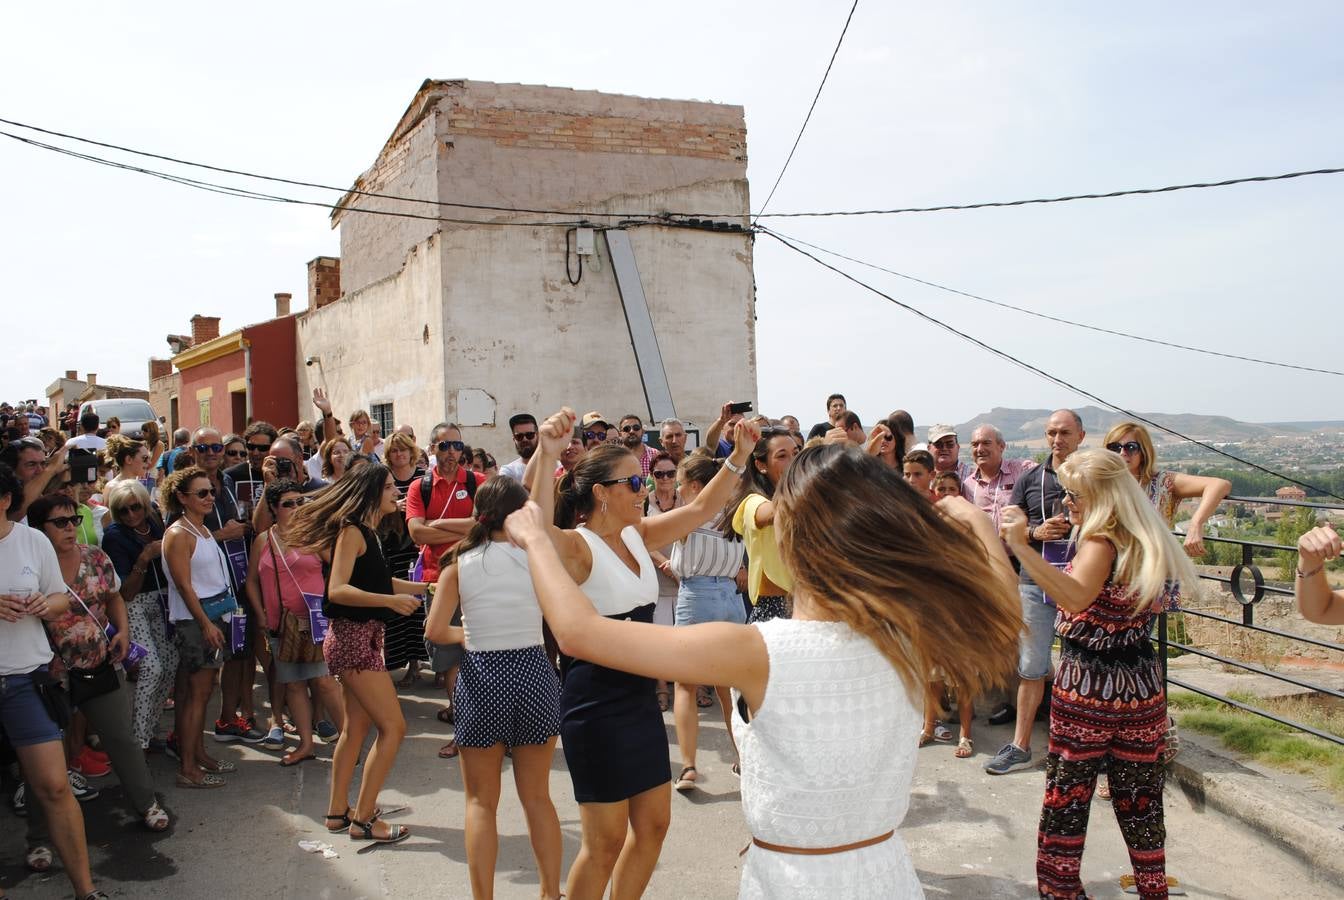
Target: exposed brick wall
x=324, y=281
x=204, y=328
x=604, y=134
x=160, y=368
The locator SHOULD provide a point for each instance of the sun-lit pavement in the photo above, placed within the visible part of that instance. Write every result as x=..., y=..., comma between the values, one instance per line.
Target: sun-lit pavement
x=971, y=834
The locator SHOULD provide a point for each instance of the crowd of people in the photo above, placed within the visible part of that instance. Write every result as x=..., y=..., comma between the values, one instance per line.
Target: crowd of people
x=834, y=593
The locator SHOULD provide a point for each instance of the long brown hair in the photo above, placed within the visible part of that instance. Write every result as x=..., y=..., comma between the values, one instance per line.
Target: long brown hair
x=499, y=497
x=574, y=490
x=866, y=549
x=350, y=500
x=753, y=480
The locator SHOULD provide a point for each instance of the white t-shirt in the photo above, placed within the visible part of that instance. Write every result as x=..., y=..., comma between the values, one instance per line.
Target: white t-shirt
x=28, y=565
x=514, y=469
x=87, y=442
x=314, y=466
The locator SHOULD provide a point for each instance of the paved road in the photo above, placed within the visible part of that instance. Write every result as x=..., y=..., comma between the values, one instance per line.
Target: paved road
x=971, y=835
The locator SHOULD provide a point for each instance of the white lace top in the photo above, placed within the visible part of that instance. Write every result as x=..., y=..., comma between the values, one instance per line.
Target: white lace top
x=826, y=761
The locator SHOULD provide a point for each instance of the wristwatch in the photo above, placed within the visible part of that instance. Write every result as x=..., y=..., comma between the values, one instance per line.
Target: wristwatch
x=733, y=467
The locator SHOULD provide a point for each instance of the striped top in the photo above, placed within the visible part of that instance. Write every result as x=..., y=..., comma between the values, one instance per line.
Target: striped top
x=706, y=551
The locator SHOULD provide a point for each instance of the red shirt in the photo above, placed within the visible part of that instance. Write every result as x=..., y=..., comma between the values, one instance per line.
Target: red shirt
x=447, y=500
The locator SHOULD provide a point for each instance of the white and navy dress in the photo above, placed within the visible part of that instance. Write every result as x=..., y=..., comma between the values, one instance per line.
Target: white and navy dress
x=610, y=725
x=507, y=693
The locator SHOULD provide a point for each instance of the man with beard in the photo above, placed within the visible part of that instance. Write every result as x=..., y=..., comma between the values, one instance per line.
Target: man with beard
x=524, y=429
x=632, y=438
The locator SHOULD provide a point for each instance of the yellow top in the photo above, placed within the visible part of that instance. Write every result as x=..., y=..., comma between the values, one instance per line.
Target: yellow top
x=762, y=552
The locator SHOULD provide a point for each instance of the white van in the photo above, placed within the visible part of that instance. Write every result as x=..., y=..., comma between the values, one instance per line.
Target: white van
x=132, y=412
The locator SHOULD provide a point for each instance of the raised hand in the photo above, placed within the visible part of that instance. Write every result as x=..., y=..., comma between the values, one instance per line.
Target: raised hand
x=745, y=436
x=878, y=439
x=322, y=403
x=1013, y=526
x=554, y=434
x=1318, y=546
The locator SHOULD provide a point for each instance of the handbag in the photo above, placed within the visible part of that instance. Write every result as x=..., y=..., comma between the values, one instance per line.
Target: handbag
x=86, y=684
x=54, y=697
x=296, y=643
x=219, y=605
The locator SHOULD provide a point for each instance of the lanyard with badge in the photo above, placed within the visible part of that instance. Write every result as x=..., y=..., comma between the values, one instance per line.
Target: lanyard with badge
x=1056, y=553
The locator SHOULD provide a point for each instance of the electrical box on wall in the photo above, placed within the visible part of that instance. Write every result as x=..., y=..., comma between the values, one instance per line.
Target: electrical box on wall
x=585, y=241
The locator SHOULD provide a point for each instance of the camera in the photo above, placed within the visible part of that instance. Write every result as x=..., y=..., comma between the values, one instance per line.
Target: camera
x=83, y=466
x=284, y=467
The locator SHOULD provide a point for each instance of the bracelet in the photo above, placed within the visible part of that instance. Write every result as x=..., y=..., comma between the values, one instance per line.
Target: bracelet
x=137, y=570
x=733, y=467
x=1301, y=574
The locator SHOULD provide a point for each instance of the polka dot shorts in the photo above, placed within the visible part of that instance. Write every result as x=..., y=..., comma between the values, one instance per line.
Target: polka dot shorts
x=509, y=697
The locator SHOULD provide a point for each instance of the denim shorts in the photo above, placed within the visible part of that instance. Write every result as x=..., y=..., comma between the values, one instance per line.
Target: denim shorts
x=23, y=716
x=707, y=598
x=1038, y=633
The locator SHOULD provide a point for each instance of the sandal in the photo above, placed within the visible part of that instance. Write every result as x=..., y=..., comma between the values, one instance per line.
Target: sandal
x=344, y=819
x=964, y=748
x=448, y=750
x=94, y=895
x=703, y=698
x=38, y=859
x=664, y=701
x=155, y=818
x=925, y=739
x=683, y=783
x=395, y=833
x=941, y=733
x=1104, y=790
x=208, y=780
x=446, y=715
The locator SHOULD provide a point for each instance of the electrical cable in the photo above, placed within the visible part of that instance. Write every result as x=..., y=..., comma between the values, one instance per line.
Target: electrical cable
x=1057, y=319
x=1054, y=379
x=572, y=279
x=808, y=118
x=667, y=214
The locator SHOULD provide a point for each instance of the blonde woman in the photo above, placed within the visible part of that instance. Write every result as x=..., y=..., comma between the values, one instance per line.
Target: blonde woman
x=1167, y=489
x=882, y=593
x=1109, y=703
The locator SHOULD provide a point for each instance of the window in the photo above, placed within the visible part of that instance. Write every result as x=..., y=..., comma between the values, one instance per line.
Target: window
x=382, y=414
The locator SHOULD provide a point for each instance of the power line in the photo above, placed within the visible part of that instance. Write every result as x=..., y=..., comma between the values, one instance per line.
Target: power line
x=664, y=214
x=1054, y=379
x=810, y=110
x=1061, y=321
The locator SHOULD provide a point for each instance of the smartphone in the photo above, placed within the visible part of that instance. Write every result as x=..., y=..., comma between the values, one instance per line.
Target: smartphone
x=739, y=408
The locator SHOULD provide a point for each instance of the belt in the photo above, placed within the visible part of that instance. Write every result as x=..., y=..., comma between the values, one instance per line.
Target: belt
x=817, y=851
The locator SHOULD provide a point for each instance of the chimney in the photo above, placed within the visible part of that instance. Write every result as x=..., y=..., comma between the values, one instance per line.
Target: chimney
x=324, y=281
x=71, y=375
x=160, y=368
x=91, y=378
x=204, y=328
x=282, y=305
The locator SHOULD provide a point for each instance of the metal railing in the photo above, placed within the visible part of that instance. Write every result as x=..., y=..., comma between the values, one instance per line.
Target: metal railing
x=1235, y=582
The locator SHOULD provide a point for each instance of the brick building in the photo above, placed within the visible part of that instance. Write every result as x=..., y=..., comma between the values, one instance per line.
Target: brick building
x=485, y=312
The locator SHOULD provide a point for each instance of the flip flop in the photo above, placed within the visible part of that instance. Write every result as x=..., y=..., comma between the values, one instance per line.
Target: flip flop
x=703, y=699
x=446, y=715
x=448, y=750
x=38, y=859
x=664, y=701
x=683, y=783
x=286, y=761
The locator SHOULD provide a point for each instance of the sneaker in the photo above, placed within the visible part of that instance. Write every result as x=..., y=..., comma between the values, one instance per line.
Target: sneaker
x=327, y=732
x=171, y=748
x=97, y=754
x=1009, y=759
x=237, y=730
x=274, y=740
x=20, y=800
x=89, y=766
x=80, y=787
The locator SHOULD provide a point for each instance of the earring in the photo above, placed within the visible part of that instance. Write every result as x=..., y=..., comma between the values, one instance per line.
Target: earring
x=604, y=506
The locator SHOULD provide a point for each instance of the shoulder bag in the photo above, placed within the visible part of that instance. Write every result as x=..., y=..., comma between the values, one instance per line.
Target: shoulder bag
x=86, y=684
x=296, y=643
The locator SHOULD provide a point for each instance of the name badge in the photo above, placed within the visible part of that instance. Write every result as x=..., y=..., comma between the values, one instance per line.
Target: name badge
x=461, y=495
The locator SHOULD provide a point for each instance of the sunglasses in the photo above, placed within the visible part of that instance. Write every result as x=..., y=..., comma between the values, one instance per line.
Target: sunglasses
x=524, y=435
x=631, y=429
x=235, y=453
x=459, y=446
x=291, y=504
x=665, y=474
x=946, y=443
x=209, y=448
x=594, y=435
x=259, y=448
x=1072, y=496
x=201, y=494
x=636, y=482
x=133, y=507
x=64, y=521
x=1127, y=447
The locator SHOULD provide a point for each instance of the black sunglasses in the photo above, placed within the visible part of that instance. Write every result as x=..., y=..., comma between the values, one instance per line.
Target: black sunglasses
x=1126, y=447
x=636, y=482
x=628, y=429
x=1071, y=496
x=235, y=453
x=201, y=494
x=665, y=473
x=135, y=507
x=459, y=446
x=64, y=521
x=594, y=435
x=291, y=504
x=524, y=435
x=259, y=448
x=946, y=443
x=209, y=448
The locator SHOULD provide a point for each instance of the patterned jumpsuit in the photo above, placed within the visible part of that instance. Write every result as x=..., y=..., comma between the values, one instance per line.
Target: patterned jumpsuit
x=1108, y=706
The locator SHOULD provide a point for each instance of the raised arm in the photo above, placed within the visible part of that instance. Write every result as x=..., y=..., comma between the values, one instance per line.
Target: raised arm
x=552, y=438
x=1072, y=592
x=1315, y=600
x=715, y=430
x=1211, y=492
x=675, y=525
x=713, y=653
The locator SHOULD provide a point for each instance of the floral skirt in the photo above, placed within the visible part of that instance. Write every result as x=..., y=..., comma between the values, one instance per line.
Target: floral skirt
x=354, y=647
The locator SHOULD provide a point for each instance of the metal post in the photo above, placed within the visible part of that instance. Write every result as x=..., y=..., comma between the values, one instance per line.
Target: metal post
x=1162, y=642
x=1247, y=609
x=648, y=356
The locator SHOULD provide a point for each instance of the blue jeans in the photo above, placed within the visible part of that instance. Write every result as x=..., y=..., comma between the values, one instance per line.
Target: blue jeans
x=1038, y=633
x=23, y=715
x=708, y=598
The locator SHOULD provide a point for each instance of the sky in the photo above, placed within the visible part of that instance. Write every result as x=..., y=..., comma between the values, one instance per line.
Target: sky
x=927, y=104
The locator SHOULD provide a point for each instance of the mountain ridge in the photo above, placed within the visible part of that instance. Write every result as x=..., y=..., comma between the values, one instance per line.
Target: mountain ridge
x=1022, y=425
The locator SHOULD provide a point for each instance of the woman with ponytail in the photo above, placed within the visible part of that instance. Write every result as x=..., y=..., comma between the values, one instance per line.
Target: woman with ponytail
x=507, y=697
x=614, y=738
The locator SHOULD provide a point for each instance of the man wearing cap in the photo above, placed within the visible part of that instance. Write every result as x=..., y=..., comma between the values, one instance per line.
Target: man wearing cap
x=946, y=450
x=594, y=428
x=523, y=427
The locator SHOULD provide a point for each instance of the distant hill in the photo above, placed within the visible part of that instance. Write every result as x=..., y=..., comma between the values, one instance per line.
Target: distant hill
x=1028, y=425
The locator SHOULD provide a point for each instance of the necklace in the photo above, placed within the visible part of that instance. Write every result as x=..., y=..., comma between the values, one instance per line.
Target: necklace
x=143, y=532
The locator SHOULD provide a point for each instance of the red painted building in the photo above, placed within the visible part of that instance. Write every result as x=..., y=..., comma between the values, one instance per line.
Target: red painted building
x=246, y=375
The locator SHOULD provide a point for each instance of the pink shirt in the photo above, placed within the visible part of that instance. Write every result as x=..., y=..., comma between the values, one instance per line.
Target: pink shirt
x=297, y=574
x=993, y=494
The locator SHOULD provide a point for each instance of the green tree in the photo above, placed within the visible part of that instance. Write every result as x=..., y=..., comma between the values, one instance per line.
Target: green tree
x=1295, y=523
